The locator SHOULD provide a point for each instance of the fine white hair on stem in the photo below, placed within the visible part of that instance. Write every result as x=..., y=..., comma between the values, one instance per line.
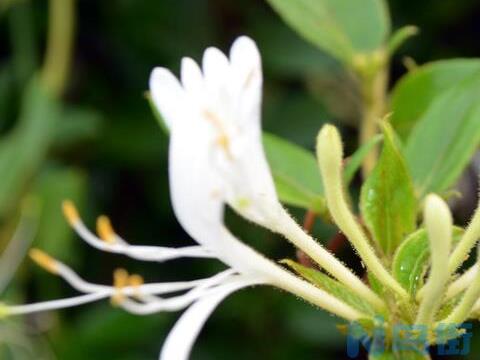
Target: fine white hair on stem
x=330, y=158
x=464, y=308
x=467, y=242
x=462, y=282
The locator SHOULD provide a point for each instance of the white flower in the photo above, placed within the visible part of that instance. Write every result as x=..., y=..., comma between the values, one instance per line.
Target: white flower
x=214, y=120
x=215, y=157
x=216, y=153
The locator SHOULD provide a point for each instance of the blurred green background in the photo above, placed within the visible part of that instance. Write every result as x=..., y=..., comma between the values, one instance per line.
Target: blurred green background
x=98, y=143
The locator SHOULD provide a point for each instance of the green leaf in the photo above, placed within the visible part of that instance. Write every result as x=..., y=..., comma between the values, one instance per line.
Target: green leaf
x=23, y=150
x=54, y=233
x=445, y=137
x=78, y=124
x=387, y=200
x=331, y=286
x=412, y=259
x=355, y=161
x=339, y=27
x=416, y=91
x=296, y=174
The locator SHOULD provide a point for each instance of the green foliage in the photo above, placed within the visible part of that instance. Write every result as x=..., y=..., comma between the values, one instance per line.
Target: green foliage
x=412, y=259
x=25, y=148
x=388, y=203
x=54, y=233
x=80, y=124
x=296, y=174
x=355, y=161
x=445, y=137
x=332, y=286
x=339, y=27
x=415, y=93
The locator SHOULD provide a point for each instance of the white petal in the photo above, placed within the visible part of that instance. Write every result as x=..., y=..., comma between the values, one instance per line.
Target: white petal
x=181, y=338
x=195, y=189
x=215, y=68
x=247, y=81
x=256, y=186
x=244, y=55
x=192, y=78
x=168, y=96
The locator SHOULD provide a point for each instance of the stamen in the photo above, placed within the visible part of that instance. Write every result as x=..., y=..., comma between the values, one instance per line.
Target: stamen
x=44, y=260
x=70, y=212
x=105, y=230
x=136, y=281
x=120, y=280
x=223, y=141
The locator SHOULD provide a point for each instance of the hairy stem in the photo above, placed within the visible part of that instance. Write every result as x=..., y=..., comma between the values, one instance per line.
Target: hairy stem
x=330, y=155
x=467, y=242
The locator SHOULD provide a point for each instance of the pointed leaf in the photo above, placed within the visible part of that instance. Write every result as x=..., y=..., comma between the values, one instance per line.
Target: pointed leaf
x=339, y=27
x=416, y=91
x=355, y=161
x=387, y=202
x=296, y=174
x=445, y=138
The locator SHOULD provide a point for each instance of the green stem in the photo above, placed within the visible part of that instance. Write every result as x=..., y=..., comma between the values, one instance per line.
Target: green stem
x=59, y=45
x=374, y=79
x=23, y=42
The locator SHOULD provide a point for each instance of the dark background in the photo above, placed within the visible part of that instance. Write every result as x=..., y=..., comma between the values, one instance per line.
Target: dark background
x=124, y=164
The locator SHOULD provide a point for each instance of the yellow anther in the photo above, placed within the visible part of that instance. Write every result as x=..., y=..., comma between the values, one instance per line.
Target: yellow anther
x=70, y=212
x=120, y=280
x=3, y=311
x=105, y=229
x=44, y=260
x=136, y=281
